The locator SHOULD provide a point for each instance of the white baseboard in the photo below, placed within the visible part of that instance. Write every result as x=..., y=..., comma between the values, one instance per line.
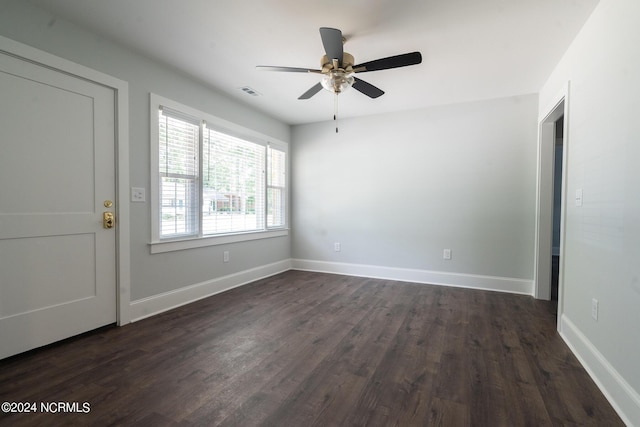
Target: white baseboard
x=146, y=307
x=472, y=281
x=624, y=399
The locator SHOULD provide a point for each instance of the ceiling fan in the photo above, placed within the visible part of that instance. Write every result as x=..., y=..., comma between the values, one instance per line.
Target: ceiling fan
x=338, y=66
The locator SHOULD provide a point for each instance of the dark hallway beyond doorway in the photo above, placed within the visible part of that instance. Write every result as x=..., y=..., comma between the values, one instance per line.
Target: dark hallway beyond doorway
x=555, y=270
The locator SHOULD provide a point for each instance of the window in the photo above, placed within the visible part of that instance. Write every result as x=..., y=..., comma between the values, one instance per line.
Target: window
x=178, y=153
x=213, y=179
x=276, y=187
x=233, y=184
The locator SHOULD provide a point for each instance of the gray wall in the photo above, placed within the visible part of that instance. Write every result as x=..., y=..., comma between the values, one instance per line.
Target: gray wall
x=150, y=274
x=397, y=189
x=602, y=241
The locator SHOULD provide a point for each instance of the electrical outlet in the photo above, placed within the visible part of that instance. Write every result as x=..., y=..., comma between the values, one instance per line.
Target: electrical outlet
x=225, y=256
x=337, y=247
x=446, y=254
x=594, y=309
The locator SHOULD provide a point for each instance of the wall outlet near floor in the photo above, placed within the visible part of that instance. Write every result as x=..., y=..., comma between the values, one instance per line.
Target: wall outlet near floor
x=594, y=309
x=337, y=247
x=446, y=254
x=225, y=256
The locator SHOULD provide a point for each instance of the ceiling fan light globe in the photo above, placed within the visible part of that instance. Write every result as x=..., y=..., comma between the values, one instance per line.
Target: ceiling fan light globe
x=337, y=82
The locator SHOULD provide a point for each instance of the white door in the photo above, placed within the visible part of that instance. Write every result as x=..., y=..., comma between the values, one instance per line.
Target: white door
x=57, y=261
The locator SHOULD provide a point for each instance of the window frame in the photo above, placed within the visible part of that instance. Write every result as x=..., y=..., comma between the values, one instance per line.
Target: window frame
x=158, y=244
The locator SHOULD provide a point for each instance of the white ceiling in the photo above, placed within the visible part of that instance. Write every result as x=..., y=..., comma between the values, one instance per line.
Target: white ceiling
x=472, y=49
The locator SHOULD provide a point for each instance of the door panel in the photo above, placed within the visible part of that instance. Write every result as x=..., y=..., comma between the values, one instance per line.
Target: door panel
x=37, y=162
x=70, y=283
x=57, y=262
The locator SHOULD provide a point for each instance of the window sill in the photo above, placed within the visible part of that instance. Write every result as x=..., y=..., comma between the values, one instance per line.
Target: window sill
x=200, y=242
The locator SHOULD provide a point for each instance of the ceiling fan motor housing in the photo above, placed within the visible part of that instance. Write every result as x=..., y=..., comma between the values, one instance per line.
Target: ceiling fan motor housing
x=347, y=63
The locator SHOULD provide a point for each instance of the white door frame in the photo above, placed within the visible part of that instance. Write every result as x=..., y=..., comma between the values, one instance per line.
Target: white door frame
x=559, y=106
x=121, y=92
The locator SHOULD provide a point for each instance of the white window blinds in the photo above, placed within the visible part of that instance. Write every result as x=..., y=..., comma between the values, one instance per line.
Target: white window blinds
x=178, y=167
x=276, y=187
x=233, y=184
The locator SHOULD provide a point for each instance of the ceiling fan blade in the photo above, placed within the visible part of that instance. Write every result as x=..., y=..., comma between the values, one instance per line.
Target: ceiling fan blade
x=367, y=88
x=287, y=69
x=332, y=42
x=403, y=60
x=308, y=94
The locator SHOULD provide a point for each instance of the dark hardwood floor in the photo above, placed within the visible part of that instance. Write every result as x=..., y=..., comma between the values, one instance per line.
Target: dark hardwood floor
x=311, y=349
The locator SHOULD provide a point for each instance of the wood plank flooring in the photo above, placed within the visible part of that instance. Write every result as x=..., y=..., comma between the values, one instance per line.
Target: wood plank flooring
x=311, y=349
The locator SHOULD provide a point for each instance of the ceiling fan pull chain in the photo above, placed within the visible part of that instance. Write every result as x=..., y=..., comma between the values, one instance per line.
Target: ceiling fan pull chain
x=335, y=111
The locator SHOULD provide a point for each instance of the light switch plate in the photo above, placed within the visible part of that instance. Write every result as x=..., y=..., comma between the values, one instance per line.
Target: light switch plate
x=137, y=194
x=579, y=197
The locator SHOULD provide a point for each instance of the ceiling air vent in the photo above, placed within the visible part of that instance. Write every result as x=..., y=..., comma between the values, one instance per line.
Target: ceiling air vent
x=250, y=91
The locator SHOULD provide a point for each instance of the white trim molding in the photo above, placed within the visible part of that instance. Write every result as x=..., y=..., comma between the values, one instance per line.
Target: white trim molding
x=156, y=304
x=470, y=281
x=622, y=397
x=223, y=239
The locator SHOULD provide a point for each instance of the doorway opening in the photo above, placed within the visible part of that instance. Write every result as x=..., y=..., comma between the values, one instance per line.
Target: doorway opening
x=552, y=146
x=557, y=209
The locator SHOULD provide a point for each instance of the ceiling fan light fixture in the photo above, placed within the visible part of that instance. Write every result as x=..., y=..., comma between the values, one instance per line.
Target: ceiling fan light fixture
x=337, y=81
